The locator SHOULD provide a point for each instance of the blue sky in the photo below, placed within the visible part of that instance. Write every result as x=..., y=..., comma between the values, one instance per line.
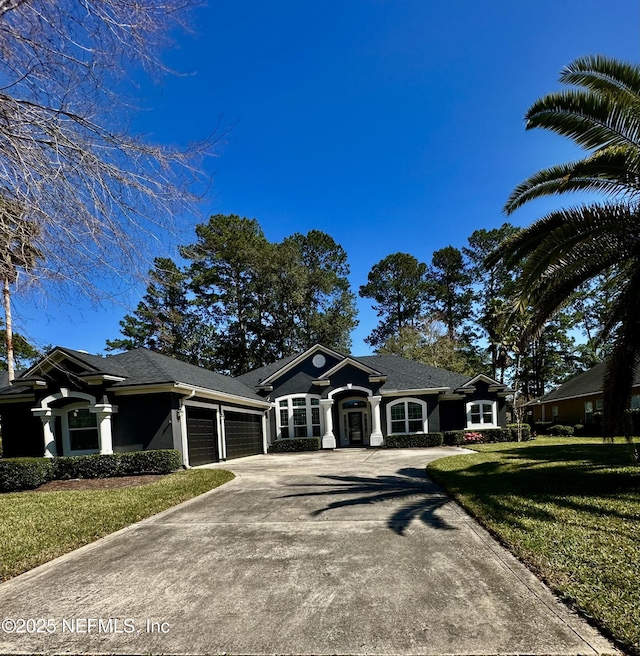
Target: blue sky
x=392, y=125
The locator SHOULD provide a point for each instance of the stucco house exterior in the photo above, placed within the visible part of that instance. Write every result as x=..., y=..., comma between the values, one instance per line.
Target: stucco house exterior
x=73, y=403
x=579, y=400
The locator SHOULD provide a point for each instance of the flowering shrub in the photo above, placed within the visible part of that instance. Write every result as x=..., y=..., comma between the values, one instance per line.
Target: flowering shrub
x=473, y=438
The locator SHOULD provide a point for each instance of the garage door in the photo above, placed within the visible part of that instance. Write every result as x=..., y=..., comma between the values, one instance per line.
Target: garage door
x=244, y=434
x=201, y=436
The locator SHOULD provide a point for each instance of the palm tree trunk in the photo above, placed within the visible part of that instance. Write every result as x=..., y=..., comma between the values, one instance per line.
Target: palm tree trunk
x=9, y=329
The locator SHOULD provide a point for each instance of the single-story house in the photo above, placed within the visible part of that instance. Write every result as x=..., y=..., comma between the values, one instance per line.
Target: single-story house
x=579, y=400
x=73, y=403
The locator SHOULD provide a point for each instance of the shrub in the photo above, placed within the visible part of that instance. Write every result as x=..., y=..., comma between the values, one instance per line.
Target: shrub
x=91, y=466
x=473, y=438
x=409, y=440
x=560, y=430
x=541, y=427
x=24, y=473
x=295, y=444
x=525, y=432
x=497, y=435
x=161, y=461
x=578, y=429
x=454, y=437
x=117, y=464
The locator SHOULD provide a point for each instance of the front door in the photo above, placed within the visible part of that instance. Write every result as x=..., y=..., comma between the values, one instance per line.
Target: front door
x=355, y=428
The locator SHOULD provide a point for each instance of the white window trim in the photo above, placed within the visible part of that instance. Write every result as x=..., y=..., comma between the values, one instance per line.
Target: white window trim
x=406, y=400
x=482, y=424
x=308, y=406
x=66, y=433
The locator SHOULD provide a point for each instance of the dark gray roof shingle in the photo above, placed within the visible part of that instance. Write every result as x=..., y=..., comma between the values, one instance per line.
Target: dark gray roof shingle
x=147, y=367
x=407, y=374
x=588, y=382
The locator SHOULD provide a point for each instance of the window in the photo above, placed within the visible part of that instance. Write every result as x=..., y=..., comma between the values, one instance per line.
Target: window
x=407, y=416
x=588, y=412
x=299, y=416
x=284, y=418
x=482, y=414
x=635, y=402
x=599, y=405
x=83, y=430
x=554, y=412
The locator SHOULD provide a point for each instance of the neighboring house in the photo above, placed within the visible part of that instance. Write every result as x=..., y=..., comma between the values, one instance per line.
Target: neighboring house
x=73, y=403
x=579, y=400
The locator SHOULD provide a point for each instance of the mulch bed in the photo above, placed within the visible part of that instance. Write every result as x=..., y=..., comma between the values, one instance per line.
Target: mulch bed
x=99, y=483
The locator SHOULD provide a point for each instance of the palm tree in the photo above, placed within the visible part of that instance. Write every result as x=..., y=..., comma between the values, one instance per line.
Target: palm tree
x=567, y=248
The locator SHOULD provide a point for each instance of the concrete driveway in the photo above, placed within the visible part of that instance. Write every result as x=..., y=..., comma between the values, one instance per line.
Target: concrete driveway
x=346, y=552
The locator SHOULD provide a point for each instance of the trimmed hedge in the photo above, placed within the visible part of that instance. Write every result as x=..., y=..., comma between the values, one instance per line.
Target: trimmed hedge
x=117, y=464
x=295, y=444
x=525, y=432
x=412, y=440
x=454, y=437
x=28, y=473
x=541, y=427
x=24, y=473
x=560, y=430
x=508, y=434
x=496, y=434
x=161, y=461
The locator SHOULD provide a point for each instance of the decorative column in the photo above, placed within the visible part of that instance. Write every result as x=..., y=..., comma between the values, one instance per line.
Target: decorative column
x=265, y=440
x=376, y=432
x=48, y=428
x=328, y=439
x=103, y=412
x=223, y=437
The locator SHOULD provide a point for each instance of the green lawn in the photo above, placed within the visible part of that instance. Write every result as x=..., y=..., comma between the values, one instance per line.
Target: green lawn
x=570, y=509
x=36, y=527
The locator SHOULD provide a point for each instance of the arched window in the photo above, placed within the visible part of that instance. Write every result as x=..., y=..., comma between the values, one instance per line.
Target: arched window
x=407, y=416
x=482, y=414
x=299, y=416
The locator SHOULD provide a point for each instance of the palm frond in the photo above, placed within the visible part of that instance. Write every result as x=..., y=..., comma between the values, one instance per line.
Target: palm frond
x=614, y=170
x=588, y=119
x=604, y=75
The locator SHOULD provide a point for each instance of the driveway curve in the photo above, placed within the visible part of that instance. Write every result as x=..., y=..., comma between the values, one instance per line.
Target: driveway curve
x=345, y=552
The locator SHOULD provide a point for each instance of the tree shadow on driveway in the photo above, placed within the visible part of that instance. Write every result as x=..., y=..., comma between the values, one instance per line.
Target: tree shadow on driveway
x=424, y=498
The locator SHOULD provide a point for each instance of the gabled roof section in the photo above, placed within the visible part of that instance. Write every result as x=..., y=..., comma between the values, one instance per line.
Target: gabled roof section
x=354, y=362
x=88, y=363
x=266, y=375
x=494, y=385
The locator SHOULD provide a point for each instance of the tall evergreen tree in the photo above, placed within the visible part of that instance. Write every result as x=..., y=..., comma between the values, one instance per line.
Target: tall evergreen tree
x=269, y=300
x=164, y=320
x=495, y=286
x=327, y=313
x=226, y=264
x=398, y=286
x=449, y=289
